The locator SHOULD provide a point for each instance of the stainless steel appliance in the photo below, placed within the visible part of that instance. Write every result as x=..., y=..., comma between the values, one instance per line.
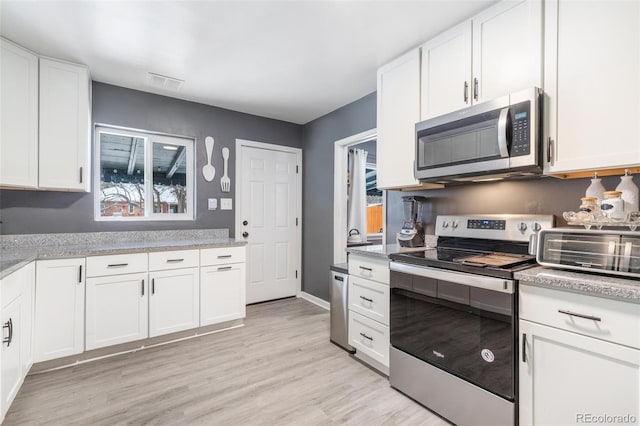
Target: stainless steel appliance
x=412, y=232
x=494, y=139
x=453, y=317
x=339, y=329
x=608, y=252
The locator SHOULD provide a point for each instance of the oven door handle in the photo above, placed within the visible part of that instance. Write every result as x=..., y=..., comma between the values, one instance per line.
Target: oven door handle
x=502, y=132
x=471, y=280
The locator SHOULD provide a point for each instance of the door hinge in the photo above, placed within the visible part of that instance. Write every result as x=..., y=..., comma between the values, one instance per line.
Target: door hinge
x=296, y=273
x=297, y=169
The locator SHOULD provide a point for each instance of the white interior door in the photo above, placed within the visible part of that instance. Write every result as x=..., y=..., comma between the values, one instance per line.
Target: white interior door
x=268, y=222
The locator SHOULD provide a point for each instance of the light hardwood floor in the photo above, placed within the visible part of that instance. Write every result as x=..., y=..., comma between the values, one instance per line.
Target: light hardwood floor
x=280, y=369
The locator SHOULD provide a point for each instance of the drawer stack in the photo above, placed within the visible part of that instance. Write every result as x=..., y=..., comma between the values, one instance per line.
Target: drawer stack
x=369, y=310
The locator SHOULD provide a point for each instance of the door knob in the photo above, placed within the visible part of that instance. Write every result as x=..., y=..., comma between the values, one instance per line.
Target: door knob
x=245, y=234
x=245, y=223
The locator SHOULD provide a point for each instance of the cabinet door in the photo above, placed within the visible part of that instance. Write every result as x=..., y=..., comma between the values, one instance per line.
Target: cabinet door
x=589, y=376
x=59, y=319
x=222, y=293
x=398, y=112
x=19, y=117
x=592, y=81
x=28, y=274
x=64, y=126
x=174, y=301
x=11, y=370
x=507, y=48
x=117, y=310
x=446, y=72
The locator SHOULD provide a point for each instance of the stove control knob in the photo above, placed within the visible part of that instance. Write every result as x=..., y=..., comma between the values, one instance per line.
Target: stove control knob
x=445, y=224
x=522, y=227
x=454, y=225
x=535, y=226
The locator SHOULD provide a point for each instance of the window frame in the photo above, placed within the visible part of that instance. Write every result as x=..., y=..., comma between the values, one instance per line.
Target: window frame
x=149, y=139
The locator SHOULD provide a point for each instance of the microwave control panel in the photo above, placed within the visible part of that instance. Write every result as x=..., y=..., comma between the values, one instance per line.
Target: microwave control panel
x=520, y=129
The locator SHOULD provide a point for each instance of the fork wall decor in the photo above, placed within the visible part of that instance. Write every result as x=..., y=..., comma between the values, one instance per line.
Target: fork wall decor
x=225, y=182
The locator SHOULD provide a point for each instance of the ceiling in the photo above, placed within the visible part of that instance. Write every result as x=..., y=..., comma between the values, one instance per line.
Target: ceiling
x=289, y=60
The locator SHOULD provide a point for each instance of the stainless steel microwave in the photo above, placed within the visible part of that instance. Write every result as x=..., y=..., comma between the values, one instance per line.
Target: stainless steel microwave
x=491, y=140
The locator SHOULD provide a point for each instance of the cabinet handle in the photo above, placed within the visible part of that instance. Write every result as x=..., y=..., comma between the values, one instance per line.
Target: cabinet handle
x=142, y=286
x=524, y=347
x=153, y=286
x=475, y=89
x=117, y=265
x=466, y=92
x=549, y=149
x=80, y=275
x=366, y=299
x=175, y=260
x=366, y=269
x=224, y=256
x=367, y=337
x=225, y=268
x=573, y=314
x=9, y=325
x=80, y=174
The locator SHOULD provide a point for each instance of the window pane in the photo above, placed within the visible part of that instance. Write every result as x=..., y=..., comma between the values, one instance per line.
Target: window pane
x=121, y=175
x=169, y=178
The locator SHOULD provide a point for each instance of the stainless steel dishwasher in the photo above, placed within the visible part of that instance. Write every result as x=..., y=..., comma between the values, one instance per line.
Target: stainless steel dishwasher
x=339, y=289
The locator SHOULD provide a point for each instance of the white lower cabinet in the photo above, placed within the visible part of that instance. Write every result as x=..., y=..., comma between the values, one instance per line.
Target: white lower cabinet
x=222, y=293
x=11, y=368
x=369, y=337
x=174, y=300
x=117, y=310
x=59, y=308
x=567, y=376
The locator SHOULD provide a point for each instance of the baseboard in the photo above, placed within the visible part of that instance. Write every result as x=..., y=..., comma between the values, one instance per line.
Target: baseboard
x=315, y=300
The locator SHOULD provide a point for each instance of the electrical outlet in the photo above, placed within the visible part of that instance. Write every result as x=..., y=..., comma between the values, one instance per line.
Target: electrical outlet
x=226, y=203
x=212, y=203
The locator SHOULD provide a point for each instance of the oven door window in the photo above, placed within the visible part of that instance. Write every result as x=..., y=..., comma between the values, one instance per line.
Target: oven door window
x=470, y=340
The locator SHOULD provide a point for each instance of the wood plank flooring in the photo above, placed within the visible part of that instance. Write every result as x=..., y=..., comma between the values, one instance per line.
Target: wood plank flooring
x=280, y=369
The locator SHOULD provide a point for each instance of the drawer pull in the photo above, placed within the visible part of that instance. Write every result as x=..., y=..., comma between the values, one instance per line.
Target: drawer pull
x=366, y=269
x=9, y=325
x=225, y=256
x=573, y=314
x=175, y=260
x=367, y=337
x=117, y=265
x=524, y=347
x=225, y=268
x=366, y=299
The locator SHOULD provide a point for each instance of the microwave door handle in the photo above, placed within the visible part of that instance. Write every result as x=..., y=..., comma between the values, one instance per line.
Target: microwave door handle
x=502, y=133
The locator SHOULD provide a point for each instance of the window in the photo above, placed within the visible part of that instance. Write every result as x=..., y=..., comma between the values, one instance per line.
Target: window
x=143, y=176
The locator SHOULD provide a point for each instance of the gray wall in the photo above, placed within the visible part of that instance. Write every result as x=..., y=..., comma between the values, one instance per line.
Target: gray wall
x=27, y=212
x=317, y=200
x=539, y=196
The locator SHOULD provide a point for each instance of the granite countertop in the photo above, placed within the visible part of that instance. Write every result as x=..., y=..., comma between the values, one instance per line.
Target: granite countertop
x=13, y=258
x=383, y=252
x=619, y=288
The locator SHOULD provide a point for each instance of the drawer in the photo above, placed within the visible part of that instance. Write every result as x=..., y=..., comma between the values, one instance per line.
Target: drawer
x=222, y=255
x=164, y=260
x=11, y=285
x=369, y=298
x=369, y=268
x=370, y=337
x=116, y=264
x=613, y=320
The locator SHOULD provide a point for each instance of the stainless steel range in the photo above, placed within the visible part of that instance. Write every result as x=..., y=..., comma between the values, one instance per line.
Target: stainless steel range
x=454, y=318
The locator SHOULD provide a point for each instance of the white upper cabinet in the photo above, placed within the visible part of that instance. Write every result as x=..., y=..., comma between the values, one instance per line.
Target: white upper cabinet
x=64, y=126
x=446, y=72
x=507, y=49
x=19, y=117
x=398, y=111
x=592, y=81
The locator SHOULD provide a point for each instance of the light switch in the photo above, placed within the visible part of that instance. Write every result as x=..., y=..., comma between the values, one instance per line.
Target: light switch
x=226, y=203
x=212, y=203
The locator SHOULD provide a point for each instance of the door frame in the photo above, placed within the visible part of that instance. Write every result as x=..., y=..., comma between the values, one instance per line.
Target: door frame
x=238, y=227
x=340, y=158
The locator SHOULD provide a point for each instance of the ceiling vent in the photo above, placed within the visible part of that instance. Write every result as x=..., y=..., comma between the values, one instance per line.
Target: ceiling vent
x=164, y=82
